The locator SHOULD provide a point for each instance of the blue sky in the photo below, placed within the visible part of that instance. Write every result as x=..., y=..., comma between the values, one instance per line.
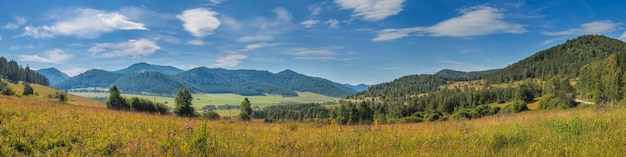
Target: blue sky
x=348, y=41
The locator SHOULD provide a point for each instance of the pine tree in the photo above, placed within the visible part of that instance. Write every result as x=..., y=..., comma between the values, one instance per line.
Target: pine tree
x=246, y=110
x=115, y=100
x=28, y=90
x=183, y=103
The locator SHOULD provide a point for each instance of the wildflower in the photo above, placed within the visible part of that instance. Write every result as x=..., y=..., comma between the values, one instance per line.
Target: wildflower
x=189, y=127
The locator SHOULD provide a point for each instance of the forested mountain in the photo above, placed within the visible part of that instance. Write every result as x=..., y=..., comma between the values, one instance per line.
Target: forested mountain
x=562, y=60
x=91, y=78
x=604, y=80
x=54, y=75
x=463, y=76
x=209, y=80
x=152, y=82
x=13, y=72
x=233, y=81
x=145, y=67
x=404, y=86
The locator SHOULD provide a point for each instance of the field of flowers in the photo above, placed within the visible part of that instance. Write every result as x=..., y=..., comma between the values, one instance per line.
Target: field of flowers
x=39, y=128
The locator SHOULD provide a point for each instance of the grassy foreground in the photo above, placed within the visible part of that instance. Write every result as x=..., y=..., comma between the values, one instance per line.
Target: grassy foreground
x=36, y=128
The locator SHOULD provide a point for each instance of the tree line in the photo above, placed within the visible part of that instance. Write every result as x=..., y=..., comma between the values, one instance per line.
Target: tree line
x=13, y=72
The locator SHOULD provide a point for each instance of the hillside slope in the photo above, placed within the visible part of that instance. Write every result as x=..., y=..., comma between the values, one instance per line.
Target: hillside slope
x=564, y=60
x=91, y=78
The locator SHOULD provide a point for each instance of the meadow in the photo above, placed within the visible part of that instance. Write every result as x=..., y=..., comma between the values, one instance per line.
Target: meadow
x=200, y=100
x=31, y=127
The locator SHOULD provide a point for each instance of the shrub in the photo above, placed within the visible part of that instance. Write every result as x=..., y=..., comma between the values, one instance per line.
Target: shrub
x=212, y=115
x=516, y=107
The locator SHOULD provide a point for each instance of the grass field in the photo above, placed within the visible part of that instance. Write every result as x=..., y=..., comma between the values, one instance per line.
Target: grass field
x=38, y=128
x=200, y=100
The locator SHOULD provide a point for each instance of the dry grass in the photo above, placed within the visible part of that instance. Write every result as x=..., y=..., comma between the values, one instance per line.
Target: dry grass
x=38, y=128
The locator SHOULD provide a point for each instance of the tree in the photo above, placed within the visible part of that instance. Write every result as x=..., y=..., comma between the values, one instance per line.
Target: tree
x=246, y=110
x=115, y=100
x=28, y=90
x=183, y=103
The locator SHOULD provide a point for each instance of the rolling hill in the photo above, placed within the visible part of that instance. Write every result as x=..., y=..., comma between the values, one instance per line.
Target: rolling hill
x=561, y=60
x=54, y=75
x=463, y=76
x=90, y=78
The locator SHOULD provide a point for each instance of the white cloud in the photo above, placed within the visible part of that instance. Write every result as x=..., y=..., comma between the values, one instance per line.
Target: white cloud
x=259, y=45
x=216, y=2
x=196, y=42
x=391, y=34
x=56, y=56
x=231, y=60
x=549, y=41
x=315, y=9
x=595, y=27
x=309, y=23
x=17, y=23
x=623, y=37
x=474, y=21
x=315, y=52
x=199, y=22
x=132, y=48
x=282, y=14
x=230, y=23
x=372, y=10
x=255, y=38
x=84, y=23
x=332, y=23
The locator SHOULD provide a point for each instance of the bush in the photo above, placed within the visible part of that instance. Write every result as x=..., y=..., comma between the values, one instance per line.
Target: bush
x=212, y=115
x=461, y=114
x=7, y=91
x=28, y=90
x=516, y=107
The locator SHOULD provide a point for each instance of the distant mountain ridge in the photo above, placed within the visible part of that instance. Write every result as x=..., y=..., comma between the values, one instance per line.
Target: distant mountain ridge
x=54, y=75
x=358, y=88
x=145, y=78
x=145, y=67
x=463, y=76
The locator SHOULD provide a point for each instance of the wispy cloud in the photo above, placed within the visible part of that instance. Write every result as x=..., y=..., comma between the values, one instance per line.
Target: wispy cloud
x=200, y=22
x=259, y=45
x=309, y=23
x=15, y=24
x=84, y=23
x=216, y=2
x=549, y=41
x=252, y=38
x=196, y=42
x=372, y=10
x=132, y=48
x=332, y=23
x=230, y=60
x=595, y=27
x=623, y=37
x=474, y=21
x=56, y=56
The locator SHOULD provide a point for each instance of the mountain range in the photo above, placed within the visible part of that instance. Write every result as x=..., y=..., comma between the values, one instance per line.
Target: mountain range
x=54, y=75
x=144, y=78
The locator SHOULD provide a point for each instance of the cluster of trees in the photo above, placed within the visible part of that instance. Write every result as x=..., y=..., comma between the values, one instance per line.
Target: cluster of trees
x=455, y=75
x=5, y=89
x=14, y=73
x=604, y=80
x=404, y=86
x=564, y=60
x=292, y=112
x=117, y=102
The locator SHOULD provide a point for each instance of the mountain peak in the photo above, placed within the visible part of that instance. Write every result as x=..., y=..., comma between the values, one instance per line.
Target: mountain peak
x=287, y=72
x=145, y=67
x=54, y=75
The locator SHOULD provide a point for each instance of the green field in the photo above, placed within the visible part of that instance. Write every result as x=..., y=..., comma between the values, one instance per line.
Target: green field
x=200, y=100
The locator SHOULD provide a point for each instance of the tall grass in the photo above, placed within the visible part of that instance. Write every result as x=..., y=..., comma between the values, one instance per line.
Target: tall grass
x=35, y=128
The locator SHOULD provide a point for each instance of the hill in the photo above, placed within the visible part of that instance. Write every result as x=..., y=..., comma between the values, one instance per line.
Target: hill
x=153, y=83
x=564, y=60
x=90, y=78
x=463, y=76
x=54, y=75
x=145, y=67
x=404, y=86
